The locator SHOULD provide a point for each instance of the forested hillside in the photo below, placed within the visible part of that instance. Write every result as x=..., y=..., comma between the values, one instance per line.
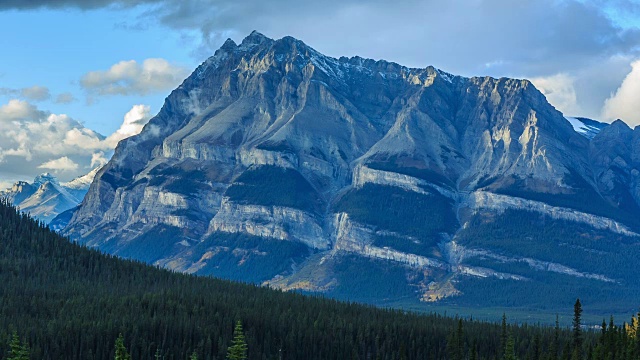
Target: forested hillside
x=70, y=302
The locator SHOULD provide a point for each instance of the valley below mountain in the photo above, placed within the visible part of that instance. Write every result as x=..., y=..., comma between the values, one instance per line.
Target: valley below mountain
x=373, y=182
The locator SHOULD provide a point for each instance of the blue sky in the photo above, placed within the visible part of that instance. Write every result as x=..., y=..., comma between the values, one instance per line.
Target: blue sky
x=55, y=48
x=88, y=70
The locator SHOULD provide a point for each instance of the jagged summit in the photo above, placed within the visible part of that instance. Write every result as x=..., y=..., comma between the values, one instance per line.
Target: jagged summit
x=45, y=198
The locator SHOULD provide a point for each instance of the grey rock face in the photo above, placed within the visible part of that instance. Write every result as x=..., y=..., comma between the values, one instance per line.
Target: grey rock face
x=279, y=145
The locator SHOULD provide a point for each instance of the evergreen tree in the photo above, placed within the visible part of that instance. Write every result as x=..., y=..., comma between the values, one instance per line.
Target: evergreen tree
x=194, y=356
x=121, y=350
x=455, y=343
x=238, y=348
x=474, y=352
x=555, y=343
x=577, y=331
x=503, y=335
x=158, y=355
x=17, y=350
x=510, y=349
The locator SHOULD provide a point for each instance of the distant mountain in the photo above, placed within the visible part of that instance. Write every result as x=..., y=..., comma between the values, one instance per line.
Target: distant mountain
x=371, y=181
x=45, y=198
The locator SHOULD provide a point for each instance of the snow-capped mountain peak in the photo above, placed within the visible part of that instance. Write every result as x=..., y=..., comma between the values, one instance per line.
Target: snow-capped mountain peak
x=82, y=182
x=46, y=197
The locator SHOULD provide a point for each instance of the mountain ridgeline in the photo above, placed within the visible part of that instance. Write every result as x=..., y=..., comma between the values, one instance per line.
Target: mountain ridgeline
x=370, y=181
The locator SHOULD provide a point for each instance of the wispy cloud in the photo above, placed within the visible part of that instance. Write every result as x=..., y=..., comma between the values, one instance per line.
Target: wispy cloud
x=132, y=78
x=65, y=98
x=33, y=93
x=61, y=164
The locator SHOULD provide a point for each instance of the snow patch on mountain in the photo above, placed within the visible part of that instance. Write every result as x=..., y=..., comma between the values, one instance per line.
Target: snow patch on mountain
x=586, y=127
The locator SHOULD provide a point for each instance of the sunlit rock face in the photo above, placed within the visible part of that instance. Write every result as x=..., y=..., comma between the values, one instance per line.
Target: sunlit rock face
x=275, y=164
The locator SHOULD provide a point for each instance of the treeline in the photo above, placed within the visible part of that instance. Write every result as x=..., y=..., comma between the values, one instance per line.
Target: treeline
x=64, y=301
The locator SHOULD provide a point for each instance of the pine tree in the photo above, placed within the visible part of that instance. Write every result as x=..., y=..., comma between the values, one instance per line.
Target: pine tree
x=17, y=350
x=555, y=344
x=455, y=343
x=121, y=350
x=238, y=348
x=503, y=335
x=577, y=331
x=510, y=349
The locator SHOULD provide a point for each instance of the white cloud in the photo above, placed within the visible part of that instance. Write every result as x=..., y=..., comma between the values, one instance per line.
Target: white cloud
x=134, y=121
x=32, y=140
x=59, y=165
x=18, y=110
x=560, y=92
x=130, y=77
x=98, y=159
x=625, y=102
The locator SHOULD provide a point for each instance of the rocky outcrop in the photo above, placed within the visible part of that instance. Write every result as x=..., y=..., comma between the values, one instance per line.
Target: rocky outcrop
x=363, y=175
x=499, y=203
x=277, y=222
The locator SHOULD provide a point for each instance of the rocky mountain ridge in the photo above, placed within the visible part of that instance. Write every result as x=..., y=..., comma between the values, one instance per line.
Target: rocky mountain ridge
x=275, y=164
x=46, y=198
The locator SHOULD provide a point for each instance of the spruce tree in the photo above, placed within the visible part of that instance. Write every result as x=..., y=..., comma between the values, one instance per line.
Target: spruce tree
x=503, y=335
x=577, y=331
x=17, y=350
x=238, y=348
x=510, y=349
x=555, y=344
x=121, y=350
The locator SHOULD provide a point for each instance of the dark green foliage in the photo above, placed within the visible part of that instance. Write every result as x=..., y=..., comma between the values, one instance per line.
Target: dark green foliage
x=151, y=245
x=405, y=212
x=577, y=330
x=509, y=349
x=71, y=303
x=247, y=258
x=520, y=234
x=275, y=186
x=455, y=343
x=17, y=349
x=121, y=350
x=238, y=348
x=381, y=280
x=584, y=198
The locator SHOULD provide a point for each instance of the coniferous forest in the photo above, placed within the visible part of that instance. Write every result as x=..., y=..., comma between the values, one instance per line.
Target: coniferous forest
x=59, y=300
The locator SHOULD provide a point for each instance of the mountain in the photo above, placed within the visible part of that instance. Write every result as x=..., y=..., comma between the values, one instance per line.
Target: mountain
x=46, y=197
x=371, y=181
